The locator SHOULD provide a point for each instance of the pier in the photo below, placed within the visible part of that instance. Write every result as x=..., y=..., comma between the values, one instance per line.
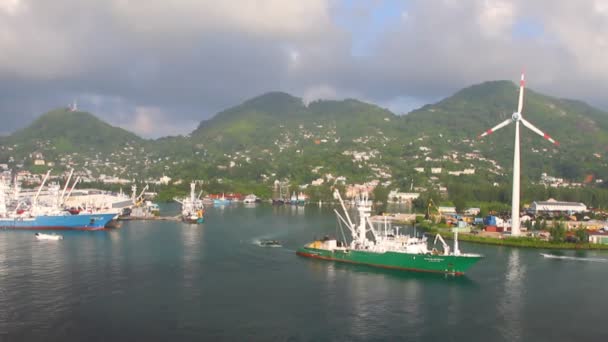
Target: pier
x=150, y=218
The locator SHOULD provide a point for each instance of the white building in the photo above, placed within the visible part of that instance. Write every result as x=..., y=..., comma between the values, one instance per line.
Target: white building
x=598, y=237
x=435, y=170
x=164, y=180
x=472, y=211
x=396, y=196
x=553, y=206
x=317, y=182
x=446, y=210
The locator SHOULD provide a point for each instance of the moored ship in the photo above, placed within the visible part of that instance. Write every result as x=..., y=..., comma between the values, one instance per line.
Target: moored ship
x=62, y=220
x=33, y=215
x=193, y=210
x=388, y=248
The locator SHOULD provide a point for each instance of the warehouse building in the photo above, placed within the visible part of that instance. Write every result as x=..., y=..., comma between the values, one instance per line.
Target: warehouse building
x=552, y=206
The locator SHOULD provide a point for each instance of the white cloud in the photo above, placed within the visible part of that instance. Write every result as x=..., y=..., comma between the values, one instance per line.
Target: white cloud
x=496, y=18
x=11, y=7
x=189, y=59
x=268, y=17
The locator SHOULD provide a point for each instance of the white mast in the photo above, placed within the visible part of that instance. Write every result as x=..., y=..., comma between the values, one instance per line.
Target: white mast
x=364, y=209
x=41, y=186
x=66, y=184
x=350, y=222
x=192, y=192
x=516, y=118
x=72, y=189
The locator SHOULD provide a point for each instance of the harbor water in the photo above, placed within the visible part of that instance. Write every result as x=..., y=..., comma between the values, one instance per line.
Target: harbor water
x=170, y=281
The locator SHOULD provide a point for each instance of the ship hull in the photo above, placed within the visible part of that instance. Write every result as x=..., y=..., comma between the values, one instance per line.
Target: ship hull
x=198, y=220
x=450, y=264
x=59, y=222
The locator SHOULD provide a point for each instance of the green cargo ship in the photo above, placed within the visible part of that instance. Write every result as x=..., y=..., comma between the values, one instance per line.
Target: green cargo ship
x=387, y=248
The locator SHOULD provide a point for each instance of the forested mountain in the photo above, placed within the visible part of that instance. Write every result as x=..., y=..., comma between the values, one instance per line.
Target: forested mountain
x=278, y=136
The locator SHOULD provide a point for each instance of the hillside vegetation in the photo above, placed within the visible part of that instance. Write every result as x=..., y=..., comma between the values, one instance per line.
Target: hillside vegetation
x=278, y=136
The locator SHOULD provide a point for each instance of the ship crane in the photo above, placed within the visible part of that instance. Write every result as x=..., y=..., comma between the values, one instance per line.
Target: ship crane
x=446, y=248
x=428, y=215
x=137, y=200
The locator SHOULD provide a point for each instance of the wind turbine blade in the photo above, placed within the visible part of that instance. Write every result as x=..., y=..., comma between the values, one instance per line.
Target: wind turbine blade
x=538, y=131
x=522, y=84
x=495, y=128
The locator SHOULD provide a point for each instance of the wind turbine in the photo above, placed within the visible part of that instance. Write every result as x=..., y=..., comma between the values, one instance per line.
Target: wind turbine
x=517, y=118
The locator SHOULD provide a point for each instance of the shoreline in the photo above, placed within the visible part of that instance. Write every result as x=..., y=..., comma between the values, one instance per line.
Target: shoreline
x=525, y=242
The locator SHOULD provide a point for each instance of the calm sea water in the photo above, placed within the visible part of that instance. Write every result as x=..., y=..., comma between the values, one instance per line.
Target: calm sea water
x=168, y=281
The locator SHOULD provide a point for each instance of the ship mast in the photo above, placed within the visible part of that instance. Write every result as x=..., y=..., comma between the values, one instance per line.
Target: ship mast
x=364, y=208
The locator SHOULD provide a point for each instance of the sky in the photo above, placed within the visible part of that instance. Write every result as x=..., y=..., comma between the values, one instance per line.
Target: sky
x=159, y=67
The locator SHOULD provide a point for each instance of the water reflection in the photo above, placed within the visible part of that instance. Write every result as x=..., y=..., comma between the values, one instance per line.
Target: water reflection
x=511, y=303
x=365, y=294
x=3, y=258
x=192, y=244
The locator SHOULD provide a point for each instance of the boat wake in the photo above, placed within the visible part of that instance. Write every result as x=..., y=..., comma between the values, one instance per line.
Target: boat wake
x=563, y=257
x=271, y=243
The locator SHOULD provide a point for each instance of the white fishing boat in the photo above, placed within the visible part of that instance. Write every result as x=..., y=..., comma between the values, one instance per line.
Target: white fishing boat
x=250, y=199
x=193, y=209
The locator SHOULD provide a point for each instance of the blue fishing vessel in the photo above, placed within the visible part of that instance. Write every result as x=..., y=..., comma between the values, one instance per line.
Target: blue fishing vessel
x=29, y=214
x=81, y=221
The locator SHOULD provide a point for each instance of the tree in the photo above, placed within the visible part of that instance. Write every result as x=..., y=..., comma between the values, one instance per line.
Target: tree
x=380, y=194
x=582, y=234
x=558, y=232
x=460, y=204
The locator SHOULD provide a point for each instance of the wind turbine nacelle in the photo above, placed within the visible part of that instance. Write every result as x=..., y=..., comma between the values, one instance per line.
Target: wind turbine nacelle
x=516, y=116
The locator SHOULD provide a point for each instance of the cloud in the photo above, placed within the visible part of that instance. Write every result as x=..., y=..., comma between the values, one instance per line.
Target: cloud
x=276, y=18
x=178, y=62
x=152, y=122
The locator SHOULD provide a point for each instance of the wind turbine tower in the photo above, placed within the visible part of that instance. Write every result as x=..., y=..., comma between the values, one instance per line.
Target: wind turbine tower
x=517, y=118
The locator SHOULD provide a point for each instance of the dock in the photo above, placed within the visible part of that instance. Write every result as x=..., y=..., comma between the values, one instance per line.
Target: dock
x=394, y=218
x=150, y=218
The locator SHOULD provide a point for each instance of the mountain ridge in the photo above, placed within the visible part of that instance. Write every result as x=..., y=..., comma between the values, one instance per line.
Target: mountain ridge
x=277, y=133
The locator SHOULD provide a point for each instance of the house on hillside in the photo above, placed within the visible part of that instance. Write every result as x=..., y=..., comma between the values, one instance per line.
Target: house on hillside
x=37, y=158
x=397, y=197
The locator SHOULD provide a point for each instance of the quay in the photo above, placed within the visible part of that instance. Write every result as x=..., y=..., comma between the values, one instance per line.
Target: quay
x=149, y=218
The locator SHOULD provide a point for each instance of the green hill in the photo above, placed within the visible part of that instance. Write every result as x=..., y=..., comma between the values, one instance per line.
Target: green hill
x=277, y=135
x=581, y=130
x=272, y=117
x=71, y=131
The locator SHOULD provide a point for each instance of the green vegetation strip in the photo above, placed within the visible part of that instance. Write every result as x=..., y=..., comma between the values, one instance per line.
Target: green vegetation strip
x=527, y=242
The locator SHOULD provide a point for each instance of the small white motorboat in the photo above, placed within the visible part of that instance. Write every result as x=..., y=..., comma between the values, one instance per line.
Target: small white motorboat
x=41, y=236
